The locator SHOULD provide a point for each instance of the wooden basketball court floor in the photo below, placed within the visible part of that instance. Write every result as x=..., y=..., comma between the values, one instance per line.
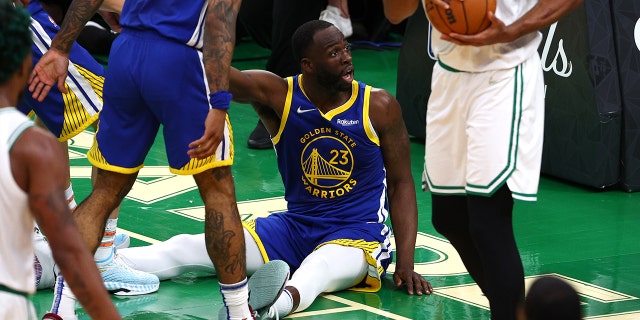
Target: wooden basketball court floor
x=585, y=236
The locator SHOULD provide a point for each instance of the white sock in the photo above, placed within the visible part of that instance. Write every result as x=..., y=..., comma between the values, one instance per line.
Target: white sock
x=71, y=199
x=64, y=301
x=235, y=297
x=105, y=252
x=284, y=304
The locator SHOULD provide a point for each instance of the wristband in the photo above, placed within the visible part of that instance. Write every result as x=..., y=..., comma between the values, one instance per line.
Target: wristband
x=220, y=100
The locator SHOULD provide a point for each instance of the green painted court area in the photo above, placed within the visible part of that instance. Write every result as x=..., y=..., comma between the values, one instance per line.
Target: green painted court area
x=588, y=237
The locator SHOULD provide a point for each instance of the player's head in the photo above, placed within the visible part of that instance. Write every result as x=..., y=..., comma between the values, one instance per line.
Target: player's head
x=15, y=43
x=323, y=54
x=550, y=298
x=303, y=37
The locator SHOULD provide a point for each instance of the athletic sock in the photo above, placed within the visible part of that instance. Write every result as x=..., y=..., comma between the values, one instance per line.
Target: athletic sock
x=105, y=252
x=71, y=199
x=64, y=301
x=284, y=304
x=235, y=297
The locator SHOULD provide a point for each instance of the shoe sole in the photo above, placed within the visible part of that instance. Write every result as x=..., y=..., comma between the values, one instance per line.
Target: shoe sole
x=124, y=289
x=262, y=287
x=262, y=283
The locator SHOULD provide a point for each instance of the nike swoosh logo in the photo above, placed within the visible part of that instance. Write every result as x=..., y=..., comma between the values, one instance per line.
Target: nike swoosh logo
x=300, y=110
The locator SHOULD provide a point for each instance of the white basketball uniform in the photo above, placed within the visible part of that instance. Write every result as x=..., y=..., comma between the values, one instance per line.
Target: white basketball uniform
x=16, y=238
x=485, y=116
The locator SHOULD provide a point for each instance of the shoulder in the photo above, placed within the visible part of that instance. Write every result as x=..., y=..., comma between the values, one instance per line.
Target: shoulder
x=36, y=151
x=36, y=145
x=384, y=109
x=382, y=102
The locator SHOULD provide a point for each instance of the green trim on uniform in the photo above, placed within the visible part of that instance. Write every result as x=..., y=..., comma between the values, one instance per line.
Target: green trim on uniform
x=448, y=68
x=9, y=290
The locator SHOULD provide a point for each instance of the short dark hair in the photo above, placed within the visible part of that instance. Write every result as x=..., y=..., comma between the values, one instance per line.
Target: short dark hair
x=303, y=37
x=551, y=298
x=15, y=38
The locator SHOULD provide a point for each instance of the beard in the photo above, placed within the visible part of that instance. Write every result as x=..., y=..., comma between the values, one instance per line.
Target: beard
x=333, y=82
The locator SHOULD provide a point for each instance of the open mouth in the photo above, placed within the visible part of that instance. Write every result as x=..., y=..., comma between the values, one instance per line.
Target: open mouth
x=348, y=75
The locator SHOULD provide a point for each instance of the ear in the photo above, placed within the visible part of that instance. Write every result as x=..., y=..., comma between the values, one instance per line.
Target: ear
x=306, y=65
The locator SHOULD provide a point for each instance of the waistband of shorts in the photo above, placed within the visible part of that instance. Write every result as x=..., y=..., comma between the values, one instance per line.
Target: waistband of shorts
x=144, y=34
x=4, y=288
x=151, y=35
x=448, y=68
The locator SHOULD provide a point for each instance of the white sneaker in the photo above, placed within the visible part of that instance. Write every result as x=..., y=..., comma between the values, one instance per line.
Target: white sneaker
x=265, y=286
x=64, y=302
x=332, y=14
x=121, y=241
x=122, y=280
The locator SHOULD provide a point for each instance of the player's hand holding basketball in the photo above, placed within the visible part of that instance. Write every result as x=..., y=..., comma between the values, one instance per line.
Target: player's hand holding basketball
x=213, y=134
x=497, y=32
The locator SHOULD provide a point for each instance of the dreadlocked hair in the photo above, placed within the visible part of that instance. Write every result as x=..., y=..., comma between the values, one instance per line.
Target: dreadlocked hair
x=15, y=38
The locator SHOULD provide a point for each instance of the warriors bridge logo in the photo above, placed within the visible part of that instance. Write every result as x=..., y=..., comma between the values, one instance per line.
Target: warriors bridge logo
x=327, y=164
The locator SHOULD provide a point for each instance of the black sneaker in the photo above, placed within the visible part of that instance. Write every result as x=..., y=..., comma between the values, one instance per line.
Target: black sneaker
x=259, y=138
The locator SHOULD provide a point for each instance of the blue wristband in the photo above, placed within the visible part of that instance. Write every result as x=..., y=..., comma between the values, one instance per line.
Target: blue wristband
x=220, y=100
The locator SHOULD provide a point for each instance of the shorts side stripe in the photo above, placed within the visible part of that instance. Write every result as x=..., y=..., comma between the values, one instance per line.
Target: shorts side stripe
x=510, y=166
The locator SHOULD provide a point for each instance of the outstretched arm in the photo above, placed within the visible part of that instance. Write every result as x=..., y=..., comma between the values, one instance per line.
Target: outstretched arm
x=52, y=67
x=544, y=13
x=38, y=167
x=387, y=121
x=218, y=43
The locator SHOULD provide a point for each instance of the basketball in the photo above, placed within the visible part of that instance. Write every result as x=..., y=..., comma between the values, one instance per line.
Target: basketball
x=463, y=16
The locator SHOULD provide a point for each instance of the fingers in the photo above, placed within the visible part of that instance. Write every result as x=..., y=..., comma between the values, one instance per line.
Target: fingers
x=203, y=147
x=61, y=85
x=39, y=90
x=415, y=283
x=443, y=4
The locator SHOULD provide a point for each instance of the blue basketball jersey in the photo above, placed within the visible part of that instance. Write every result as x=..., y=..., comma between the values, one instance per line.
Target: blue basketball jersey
x=182, y=21
x=331, y=164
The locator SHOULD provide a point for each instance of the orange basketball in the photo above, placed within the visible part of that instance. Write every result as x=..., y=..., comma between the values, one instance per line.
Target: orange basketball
x=463, y=16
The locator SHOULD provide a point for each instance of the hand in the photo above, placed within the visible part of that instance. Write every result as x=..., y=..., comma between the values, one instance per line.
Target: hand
x=213, y=134
x=51, y=69
x=415, y=283
x=496, y=33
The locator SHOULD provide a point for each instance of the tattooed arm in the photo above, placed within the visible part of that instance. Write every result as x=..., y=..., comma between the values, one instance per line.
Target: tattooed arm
x=52, y=67
x=38, y=167
x=219, y=40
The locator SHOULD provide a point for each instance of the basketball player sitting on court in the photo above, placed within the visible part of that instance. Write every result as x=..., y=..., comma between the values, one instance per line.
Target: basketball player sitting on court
x=32, y=186
x=343, y=153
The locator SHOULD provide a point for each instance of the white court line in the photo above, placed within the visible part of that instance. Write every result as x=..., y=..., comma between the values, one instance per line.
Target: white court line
x=352, y=306
x=137, y=236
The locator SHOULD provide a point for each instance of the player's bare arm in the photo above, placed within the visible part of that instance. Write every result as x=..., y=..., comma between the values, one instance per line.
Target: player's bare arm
x=113, y=6
x=398, y=10
x=386, y=117
x=544, y=13
x=38, y=168
x=259, y=87
x=218, y=43
x=52, y=67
